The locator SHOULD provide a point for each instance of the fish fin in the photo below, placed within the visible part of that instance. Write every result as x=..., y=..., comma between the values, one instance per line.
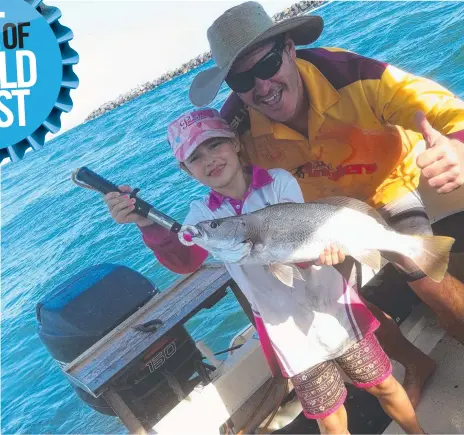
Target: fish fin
x=369, y=257
x=354, y=204
x=433, y=258
x=393, y=257
x=283, y=272
x=400, y=261
x=296, y=272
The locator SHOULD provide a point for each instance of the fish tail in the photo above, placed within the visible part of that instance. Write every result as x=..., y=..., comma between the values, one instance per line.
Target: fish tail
x=433, y=258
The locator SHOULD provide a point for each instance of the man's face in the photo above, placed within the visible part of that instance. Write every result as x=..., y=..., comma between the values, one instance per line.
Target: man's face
x=277, y=97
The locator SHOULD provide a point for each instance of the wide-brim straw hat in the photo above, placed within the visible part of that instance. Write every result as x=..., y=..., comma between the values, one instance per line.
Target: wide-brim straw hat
x=238, y=29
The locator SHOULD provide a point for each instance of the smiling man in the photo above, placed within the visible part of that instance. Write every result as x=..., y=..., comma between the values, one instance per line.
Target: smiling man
x=347, y=125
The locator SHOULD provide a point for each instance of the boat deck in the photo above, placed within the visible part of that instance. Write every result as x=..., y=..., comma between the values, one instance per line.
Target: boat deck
x=441, y=410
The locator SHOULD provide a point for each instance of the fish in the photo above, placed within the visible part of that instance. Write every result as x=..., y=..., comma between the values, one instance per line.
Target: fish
x=280, y=235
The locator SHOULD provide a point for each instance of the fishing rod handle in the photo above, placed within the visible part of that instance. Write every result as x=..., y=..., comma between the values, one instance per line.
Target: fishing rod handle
x=104, y=186
x=142, y=207
x=160, y=218
x=96, y=181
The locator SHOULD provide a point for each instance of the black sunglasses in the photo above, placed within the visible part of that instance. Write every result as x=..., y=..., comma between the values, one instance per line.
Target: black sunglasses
x=264, y=69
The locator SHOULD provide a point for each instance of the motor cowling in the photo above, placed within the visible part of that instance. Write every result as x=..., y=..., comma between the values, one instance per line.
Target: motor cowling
x=86, y=307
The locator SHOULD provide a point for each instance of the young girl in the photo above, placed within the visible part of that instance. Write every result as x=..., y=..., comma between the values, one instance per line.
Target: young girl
x=308, y=328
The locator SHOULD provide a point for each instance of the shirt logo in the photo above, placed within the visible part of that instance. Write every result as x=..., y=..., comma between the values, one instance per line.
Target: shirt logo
x=318, y=168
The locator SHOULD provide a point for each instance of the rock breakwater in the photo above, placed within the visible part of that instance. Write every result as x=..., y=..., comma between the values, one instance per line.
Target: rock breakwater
x=292, y=11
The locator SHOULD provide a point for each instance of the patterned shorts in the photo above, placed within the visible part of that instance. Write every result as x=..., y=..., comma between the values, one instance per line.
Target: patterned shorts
x=321, y=390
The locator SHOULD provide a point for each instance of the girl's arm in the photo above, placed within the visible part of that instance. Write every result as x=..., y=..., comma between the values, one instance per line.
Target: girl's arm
x=165, y=245
x=170, y=252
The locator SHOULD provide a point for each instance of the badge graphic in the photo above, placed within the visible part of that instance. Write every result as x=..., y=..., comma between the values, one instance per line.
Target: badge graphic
x=36, y=75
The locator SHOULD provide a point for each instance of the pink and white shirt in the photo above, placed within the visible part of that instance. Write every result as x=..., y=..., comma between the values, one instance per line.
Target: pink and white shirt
x=317, y=320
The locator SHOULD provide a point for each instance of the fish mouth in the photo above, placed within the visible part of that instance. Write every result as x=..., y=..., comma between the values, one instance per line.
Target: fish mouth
x=193, y=231
x=187, y=233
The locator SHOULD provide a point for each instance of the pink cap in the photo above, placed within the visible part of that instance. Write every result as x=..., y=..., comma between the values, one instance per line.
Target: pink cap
x=192, y=128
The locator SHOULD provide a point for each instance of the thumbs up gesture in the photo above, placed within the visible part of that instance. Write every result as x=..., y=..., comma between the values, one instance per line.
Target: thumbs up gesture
x=439, y=162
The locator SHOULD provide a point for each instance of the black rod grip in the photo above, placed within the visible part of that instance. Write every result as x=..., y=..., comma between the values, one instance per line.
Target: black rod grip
x=142, y=207
x=89, y=177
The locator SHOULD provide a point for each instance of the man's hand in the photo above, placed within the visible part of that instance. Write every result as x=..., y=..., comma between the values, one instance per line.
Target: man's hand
x=330, y=257
x=122, y=208
x=439, y=162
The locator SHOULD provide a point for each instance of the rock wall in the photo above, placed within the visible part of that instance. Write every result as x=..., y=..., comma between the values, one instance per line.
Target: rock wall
x=292, y=11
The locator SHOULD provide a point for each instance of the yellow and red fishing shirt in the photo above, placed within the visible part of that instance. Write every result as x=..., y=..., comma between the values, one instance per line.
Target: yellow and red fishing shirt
x=361, y=127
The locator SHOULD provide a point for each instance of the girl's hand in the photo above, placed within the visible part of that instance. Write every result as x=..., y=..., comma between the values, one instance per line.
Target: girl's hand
x=330, y=257
x=122, y=208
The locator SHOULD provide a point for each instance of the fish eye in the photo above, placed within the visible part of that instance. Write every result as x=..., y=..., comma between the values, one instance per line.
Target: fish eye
x=213, y=224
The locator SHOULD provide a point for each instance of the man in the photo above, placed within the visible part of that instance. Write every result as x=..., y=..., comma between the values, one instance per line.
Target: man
x=346, y=125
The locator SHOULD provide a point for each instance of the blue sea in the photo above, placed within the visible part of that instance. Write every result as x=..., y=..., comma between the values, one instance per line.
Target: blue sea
x=52, y=229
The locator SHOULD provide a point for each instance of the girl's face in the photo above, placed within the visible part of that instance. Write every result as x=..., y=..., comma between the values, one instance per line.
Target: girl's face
x=215, y=162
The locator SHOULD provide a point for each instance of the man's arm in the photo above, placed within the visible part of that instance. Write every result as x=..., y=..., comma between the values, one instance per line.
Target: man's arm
x=424, y=106
x=400, y=95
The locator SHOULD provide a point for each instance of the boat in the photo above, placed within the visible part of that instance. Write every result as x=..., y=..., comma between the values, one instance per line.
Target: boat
x=134, y=359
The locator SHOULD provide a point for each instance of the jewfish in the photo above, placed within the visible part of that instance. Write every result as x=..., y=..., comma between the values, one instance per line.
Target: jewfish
x=282, y=234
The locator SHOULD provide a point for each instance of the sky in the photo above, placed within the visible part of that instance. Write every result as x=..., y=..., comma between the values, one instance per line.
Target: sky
x=125, y=43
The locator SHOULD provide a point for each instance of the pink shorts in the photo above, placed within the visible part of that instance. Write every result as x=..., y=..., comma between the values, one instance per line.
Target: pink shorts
x=321, y=390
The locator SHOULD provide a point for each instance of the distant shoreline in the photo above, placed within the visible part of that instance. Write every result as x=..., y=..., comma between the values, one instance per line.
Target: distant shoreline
x=293, y=10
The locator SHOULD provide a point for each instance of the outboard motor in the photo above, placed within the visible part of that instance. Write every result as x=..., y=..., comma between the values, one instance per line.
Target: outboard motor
x=86, y=307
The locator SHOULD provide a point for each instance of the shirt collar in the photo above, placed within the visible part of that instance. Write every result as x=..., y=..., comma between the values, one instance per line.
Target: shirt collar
x=322, y=96
x=259, y=178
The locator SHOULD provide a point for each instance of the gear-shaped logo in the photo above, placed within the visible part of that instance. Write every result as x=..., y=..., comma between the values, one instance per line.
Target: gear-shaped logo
x=36, y=75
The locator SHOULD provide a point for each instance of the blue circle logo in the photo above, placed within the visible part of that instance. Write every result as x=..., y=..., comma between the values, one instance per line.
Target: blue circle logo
x=35, y=75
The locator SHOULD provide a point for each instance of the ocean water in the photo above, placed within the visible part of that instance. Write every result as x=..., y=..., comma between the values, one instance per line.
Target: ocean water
x=51, y=229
